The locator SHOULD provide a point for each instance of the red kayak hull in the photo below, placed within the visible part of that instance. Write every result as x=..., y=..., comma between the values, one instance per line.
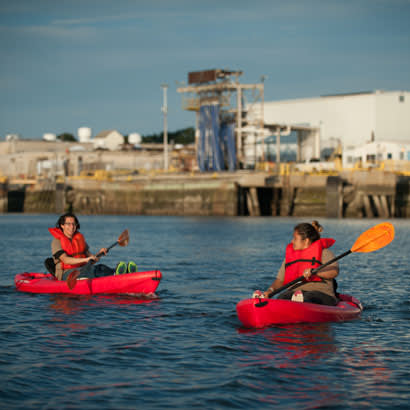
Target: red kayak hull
x=257, y=313
x=129, y=283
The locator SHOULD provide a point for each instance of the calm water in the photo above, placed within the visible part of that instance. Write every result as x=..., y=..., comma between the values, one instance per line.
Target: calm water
x=187, y=349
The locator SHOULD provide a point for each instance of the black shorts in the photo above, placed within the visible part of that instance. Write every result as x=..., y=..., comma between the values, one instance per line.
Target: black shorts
x=312, y=296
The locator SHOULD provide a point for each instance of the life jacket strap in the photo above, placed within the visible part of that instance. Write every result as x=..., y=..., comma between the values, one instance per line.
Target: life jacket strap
x=313, y=261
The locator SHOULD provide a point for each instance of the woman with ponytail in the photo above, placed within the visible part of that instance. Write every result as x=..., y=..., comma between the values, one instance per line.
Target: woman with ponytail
x=306, y=251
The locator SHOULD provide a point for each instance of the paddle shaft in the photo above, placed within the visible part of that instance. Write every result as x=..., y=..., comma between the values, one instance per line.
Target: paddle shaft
x=111, y=246
x=314, y=272
x=101, y=254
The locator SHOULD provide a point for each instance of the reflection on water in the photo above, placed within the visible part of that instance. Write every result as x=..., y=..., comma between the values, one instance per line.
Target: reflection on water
x=287, y=354
x=70, y=304
x=307, y=356
x=292, y=346
x=367, y=365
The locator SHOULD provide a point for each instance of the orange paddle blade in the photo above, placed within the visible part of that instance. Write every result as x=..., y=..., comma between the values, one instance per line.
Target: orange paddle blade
x=72, y=278
x=124, y=238
x=374, y=238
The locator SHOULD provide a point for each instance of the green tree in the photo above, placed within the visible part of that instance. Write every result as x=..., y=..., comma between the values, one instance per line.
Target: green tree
x=66, y=137
x=184, y=136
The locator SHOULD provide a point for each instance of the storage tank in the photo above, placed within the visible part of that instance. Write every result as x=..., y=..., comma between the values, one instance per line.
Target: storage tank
x=84, y=134
x=49, y=136
x=12, y=137
x=134, y=138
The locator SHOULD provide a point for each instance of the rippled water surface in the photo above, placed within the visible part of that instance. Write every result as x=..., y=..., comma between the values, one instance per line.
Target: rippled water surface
x=187, y=349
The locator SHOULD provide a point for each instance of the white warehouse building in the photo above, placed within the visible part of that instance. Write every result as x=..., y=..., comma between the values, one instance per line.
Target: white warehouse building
x=352, y=119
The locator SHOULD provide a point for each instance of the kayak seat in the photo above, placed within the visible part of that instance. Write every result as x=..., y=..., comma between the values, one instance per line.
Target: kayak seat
x=50, y=266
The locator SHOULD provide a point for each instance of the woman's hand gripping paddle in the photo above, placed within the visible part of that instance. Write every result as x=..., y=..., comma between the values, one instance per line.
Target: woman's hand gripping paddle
x=122, y=240
x=371, y=240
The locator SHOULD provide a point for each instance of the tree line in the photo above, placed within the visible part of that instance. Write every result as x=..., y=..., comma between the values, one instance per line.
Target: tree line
x=184, y=136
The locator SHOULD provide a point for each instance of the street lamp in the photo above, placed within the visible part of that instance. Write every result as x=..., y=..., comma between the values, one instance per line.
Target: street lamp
x=164, y=110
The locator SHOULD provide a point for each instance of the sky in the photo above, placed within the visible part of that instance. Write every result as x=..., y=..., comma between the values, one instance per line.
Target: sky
x=68, y=64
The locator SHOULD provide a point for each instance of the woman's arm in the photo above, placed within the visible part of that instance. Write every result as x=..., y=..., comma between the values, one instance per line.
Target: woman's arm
x=69, y=260
x=278, y=282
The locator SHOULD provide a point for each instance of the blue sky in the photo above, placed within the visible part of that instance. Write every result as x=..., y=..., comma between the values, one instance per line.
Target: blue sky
x=100, y=63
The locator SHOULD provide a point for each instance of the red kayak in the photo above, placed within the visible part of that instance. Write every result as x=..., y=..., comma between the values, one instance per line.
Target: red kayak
x=256, y=313
x=128, y=283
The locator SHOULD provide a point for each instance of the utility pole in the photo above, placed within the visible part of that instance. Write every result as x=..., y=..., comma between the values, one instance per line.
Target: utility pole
x=165, y=112
x=262, y=124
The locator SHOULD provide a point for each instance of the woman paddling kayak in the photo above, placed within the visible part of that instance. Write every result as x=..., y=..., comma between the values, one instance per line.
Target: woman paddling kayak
x=261, y=310
x=306, y=251
x=70, y=252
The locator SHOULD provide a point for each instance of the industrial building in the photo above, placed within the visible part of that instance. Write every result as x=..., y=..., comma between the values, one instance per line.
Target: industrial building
x=355, y=121
x=236, y=127
x=108, y=139
x=52, y=157
x=373, y=153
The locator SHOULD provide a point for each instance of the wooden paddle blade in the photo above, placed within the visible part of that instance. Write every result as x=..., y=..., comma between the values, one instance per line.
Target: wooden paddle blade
x=124, y=238
x=374, y=238
x=72, y=279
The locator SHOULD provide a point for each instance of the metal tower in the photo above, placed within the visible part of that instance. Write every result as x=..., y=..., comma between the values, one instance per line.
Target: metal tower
x=219, y=100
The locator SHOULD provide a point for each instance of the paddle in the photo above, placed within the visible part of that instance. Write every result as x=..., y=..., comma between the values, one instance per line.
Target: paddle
x=371, y=240
x=122, y=240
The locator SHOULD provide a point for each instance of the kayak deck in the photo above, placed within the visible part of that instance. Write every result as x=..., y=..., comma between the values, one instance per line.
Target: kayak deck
x=128, y=283
x=257, y=313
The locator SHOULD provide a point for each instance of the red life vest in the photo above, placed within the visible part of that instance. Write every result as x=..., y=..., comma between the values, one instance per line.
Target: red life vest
x=297, y=261
x=76, y=247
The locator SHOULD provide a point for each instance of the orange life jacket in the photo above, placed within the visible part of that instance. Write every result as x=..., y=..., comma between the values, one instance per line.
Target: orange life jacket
x=76, y=247
x=296, y=261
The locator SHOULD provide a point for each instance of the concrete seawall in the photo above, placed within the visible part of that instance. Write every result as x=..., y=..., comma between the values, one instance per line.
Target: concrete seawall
x=154, y=198
x=350, y=195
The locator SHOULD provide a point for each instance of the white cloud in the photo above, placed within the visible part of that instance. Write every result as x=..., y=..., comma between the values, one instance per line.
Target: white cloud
x=82, y=21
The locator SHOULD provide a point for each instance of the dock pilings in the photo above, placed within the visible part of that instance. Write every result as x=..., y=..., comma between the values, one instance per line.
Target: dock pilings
x=236, y=194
